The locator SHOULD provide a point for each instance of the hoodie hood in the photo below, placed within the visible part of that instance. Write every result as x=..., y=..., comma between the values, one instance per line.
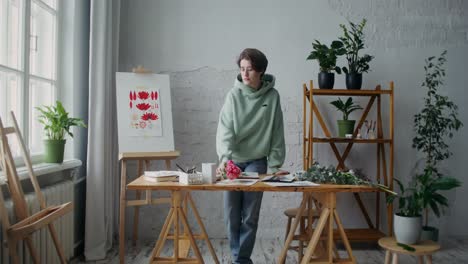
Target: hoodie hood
x=267, y=82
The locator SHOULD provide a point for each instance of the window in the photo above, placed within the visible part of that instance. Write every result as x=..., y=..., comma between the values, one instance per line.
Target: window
x=28, y=63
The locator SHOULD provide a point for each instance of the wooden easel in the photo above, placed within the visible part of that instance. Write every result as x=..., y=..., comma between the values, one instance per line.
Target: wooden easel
x=143, y=160
x=26, y=224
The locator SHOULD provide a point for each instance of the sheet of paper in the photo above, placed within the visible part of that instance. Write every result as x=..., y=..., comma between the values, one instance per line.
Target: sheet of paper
x=246, y=182
x=279, y=178
x=249, y=175
x=296, y=183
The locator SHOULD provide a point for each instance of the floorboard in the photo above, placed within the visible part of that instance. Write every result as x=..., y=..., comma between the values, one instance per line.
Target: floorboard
x=267, y=251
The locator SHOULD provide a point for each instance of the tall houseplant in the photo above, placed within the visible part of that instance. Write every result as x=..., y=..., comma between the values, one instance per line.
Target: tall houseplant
x=57, y=125
x=326, y=57
x=433, y=125
x=345, y=126
x=353, y=41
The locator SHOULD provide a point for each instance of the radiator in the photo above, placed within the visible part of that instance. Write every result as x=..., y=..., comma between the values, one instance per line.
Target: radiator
x=54, y=195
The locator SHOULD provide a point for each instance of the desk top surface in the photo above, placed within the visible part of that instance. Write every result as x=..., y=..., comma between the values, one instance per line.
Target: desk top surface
x=142, y=184
x=149, y=155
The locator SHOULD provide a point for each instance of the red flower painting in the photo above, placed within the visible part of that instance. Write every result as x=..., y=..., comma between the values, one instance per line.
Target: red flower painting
x=143, y=95
x=143, y=106
x=149, y=116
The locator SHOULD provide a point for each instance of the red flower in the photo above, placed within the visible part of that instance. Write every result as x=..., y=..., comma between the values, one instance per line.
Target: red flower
x=143, y=106
x=232, y=171
x=155, y=95
x=143, y=95
x=149, y=116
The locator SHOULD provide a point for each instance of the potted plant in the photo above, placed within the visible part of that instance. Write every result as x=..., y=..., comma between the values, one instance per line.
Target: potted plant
x=433, y=125
x=326, y=57
x=407, y=221
x=345, y=126
x=353, y=41
x=57, y=125
x=421, y=193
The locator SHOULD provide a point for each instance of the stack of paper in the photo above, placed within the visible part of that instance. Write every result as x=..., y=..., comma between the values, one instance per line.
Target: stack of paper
x=161, y=176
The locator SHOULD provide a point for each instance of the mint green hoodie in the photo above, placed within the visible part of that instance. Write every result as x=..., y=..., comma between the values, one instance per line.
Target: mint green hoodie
x=251, y=124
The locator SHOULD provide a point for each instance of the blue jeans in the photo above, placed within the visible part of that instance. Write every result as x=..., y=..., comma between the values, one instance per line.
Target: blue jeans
x=241, y=214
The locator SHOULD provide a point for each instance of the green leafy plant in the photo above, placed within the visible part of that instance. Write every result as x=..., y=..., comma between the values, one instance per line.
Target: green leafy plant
x=422, y=193
x=438, y=119
x=330, y=175
x=57, y=123
x=433, y=125
x=353, y=41
x=346, y=107
x=406, y=247
x=327, y=56
x=410, y=203
x=430, y=187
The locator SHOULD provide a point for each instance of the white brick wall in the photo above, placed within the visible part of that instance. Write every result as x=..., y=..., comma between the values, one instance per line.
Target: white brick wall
x=196, y=42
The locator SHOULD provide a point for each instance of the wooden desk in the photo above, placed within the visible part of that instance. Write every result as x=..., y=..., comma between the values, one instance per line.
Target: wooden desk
x=325, y=193
x=143, y=159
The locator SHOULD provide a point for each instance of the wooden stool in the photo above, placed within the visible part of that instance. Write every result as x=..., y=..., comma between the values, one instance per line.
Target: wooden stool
x=303, y=235
x=423, y=248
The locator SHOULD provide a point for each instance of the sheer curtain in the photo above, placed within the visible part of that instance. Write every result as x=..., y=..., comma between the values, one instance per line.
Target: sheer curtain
x=102, y=170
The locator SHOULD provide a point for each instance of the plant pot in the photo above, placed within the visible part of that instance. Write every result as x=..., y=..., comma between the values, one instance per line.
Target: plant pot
x=345, y=127
x=430, y=233
x=407, y=229
x=54, y=150
x=354, y=81
x=326, y=80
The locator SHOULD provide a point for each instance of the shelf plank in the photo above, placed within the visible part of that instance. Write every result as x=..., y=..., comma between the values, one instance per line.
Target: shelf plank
x=349, y=140
x=332, y=92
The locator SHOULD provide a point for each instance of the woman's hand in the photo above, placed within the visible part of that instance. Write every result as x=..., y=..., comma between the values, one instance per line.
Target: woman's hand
x=281, y=173
x=220, y=169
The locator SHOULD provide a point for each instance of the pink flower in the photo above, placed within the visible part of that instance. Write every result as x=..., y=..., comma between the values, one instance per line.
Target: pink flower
x=232, y=171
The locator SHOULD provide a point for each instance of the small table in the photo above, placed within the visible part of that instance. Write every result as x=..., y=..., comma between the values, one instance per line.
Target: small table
x=423, y=248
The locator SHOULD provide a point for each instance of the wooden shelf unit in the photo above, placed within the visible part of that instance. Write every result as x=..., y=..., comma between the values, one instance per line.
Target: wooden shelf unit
x=384, y=164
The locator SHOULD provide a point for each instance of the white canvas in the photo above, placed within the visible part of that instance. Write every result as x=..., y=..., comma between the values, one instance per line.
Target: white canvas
x=144, y=112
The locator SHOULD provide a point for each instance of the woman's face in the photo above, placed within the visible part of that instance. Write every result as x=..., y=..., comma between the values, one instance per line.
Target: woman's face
x=250, y=77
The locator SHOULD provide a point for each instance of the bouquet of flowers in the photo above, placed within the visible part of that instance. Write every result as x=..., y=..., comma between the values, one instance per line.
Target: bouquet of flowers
x=231, y=171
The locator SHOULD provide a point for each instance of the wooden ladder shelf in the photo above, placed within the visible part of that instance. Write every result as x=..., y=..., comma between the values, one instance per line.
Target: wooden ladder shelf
x=384, y=171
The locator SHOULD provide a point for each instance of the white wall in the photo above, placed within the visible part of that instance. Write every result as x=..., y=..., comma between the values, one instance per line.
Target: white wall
x=197, y=42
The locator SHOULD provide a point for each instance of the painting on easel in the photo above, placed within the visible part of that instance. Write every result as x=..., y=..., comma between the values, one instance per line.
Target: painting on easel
x=144, y=112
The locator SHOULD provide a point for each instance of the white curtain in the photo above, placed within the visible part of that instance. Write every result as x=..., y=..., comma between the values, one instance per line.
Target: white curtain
x=102, y=171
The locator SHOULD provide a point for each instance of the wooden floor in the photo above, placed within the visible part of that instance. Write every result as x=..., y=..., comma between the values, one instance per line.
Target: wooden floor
x=267, y=251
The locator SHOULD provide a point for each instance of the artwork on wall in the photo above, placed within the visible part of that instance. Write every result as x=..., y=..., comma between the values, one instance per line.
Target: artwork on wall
x=144, y=112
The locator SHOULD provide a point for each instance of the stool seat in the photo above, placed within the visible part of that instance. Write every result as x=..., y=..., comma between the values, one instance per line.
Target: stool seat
x=291, y=212
x=423, y=248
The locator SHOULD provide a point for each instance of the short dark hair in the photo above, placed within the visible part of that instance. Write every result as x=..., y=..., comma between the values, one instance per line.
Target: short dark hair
x=256, y=57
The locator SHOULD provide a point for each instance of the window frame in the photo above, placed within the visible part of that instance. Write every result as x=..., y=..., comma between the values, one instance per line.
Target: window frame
x=26, y=76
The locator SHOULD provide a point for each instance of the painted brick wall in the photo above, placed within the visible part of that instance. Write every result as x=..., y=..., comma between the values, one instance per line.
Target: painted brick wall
x=196, y=43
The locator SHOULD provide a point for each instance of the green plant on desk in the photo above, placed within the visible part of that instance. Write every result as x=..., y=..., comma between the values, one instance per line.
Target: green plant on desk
x=330, y=175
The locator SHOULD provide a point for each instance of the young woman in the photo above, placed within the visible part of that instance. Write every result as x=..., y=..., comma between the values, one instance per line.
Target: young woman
x=250, y=133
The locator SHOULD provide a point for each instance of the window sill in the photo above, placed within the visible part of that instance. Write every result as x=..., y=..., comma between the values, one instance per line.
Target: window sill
x=45, y=168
